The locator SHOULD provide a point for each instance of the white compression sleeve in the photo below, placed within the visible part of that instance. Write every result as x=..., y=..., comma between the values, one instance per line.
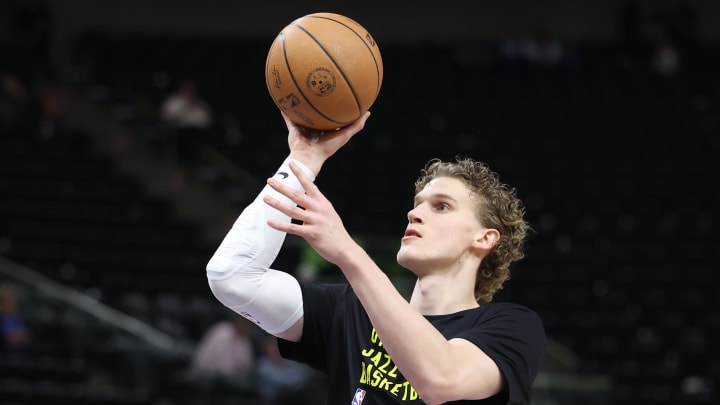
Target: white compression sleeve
x=239, y=272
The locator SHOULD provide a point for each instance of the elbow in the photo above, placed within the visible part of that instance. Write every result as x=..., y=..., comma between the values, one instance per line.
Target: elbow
x=219, y=289
x=224, y=286
x=440, y=388
x=432, y=401
x=435, y=390
x=231, y=294
x=433, y=382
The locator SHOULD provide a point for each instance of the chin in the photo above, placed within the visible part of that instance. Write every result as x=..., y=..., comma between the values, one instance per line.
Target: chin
x=406, y=260
x=401, y=258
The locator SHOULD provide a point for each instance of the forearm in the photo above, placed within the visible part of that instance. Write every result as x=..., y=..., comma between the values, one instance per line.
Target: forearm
x=251, y=243
x=419, y=350
x=239, y=272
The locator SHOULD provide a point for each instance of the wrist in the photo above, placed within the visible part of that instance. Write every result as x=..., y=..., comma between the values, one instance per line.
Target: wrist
x=354, y=262
x=311, y=160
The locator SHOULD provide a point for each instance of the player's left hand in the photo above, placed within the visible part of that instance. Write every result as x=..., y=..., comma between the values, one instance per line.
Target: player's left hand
x=321, y=225
x=313, y=148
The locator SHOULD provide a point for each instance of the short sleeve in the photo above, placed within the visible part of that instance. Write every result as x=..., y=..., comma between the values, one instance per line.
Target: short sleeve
x=514, y=337
x=320, y=304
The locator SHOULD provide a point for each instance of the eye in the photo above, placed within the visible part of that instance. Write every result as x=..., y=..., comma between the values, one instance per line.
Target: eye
x=442, y=207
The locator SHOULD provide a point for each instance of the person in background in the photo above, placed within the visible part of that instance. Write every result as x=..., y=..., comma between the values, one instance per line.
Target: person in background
x=281, y=381
x=18, y=109
x=189, y=119
x=224, y=362
x=15, y=334
x=226, y=349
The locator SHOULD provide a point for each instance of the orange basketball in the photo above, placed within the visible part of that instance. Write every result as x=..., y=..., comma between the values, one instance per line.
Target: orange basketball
x=324, y=71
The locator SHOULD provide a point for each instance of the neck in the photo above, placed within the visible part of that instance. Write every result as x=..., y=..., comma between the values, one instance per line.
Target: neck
x=438, y=294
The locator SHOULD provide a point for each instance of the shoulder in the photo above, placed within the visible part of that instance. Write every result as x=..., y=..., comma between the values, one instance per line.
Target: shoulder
x=334, y=290
x=513, y=336
x=510, y=309
x=326, y=297
x=492, y=320
x=513, y=314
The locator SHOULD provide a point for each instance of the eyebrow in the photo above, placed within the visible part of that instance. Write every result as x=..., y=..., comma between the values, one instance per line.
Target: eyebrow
x=441, y=196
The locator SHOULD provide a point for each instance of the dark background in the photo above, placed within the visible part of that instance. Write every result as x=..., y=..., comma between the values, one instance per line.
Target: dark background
x=615, y=159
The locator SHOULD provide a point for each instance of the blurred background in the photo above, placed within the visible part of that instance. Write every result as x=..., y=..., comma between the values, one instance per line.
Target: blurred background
x=603, y=114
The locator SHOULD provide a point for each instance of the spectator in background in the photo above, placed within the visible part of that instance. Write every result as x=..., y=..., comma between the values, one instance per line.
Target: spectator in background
x=50, y=124
x=543, y=49
x=540, y=48
x=15, y=335
x=666, y=60
x=17, y=107
x=224, y=362
x=673, y=27
x=226, y=349
x=658, y=34
x=189, y=119
x=282, y=381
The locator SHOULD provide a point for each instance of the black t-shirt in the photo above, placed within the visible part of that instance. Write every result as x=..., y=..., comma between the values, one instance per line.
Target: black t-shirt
x=339, y=340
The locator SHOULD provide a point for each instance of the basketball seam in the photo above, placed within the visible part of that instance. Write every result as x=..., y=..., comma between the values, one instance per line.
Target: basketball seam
x=267, y=62
x=320, y=45
x=302, y=93
x=377, y=67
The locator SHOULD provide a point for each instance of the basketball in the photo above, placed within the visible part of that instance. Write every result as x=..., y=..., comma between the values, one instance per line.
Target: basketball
x=324, y=71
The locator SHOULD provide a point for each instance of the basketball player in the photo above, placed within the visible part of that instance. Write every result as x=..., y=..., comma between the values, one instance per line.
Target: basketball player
x=448, y=344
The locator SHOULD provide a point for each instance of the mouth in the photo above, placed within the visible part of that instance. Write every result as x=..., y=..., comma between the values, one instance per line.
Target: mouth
x=411, y=233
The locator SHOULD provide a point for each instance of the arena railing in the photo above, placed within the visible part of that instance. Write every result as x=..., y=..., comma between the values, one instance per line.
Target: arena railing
x=146, y=333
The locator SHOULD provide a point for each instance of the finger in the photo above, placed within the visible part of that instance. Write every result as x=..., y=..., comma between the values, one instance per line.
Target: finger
x=360, y=123
x=297, y=196
x=357, y=125
x=350, y=130
x=293, y=211
x=287, y=119
x=307, y=184
x=287, y=227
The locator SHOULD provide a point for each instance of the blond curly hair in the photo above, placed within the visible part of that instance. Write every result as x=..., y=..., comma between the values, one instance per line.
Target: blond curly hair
x=499, y=208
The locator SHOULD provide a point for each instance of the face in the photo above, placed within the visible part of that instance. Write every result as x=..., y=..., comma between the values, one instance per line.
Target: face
x=442, y=230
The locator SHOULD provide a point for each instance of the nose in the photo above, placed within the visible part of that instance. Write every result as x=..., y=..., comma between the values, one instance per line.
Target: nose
x=414, y=216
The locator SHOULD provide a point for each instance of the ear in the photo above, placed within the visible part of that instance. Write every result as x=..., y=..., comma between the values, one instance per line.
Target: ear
x=486, y=239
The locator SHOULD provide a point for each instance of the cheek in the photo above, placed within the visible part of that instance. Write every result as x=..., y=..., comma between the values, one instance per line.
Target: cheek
x=451, y=239
x=460, y=233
